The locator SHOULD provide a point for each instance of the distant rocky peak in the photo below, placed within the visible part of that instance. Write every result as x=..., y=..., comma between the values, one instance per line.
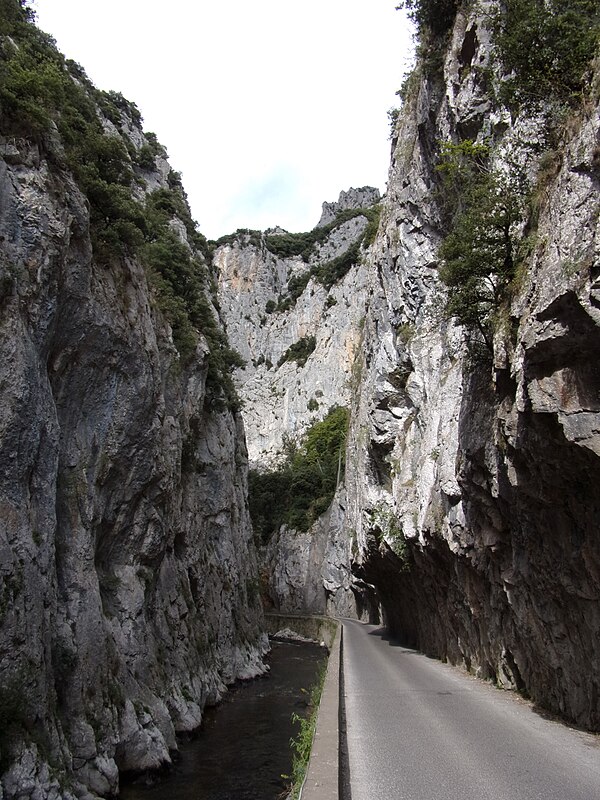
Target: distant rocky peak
x=354, y=198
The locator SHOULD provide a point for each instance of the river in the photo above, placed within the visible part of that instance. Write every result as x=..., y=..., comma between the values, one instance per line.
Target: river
x=242, y=749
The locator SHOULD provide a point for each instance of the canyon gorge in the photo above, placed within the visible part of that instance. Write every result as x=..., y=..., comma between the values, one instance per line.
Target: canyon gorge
x=158, y=389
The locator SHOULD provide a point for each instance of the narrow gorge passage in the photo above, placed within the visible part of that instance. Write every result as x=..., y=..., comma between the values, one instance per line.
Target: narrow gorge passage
x=419, y=729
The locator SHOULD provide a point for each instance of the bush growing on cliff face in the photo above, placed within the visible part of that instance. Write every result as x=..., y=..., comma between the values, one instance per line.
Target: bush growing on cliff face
x=287, y=245
x=386, y=525
x=479, y=253
x=485, y=212
x=545, y=47
x=299, y=351
x=39, y=88
x=302, y=488
x=460, y=167
x=327, y=273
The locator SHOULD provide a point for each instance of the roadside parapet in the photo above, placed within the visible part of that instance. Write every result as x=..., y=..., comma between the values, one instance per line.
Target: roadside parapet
x=319, y=628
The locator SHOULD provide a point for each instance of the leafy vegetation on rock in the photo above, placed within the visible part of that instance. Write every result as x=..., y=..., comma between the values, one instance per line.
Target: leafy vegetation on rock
x=386, y=526
x=433, y=15
x=247, y=235
x=299, y=351
x=545, y=48
x=41, y=92
x=485, y=213
x=302, y=488
x=433, y=20
x=302, y=244
x=328, y=273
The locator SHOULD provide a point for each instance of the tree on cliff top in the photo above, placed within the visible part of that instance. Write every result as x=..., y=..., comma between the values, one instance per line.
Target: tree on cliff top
x=432, y=15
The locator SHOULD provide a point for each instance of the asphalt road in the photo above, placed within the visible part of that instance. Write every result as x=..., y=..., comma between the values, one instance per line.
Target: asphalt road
x=418, y=729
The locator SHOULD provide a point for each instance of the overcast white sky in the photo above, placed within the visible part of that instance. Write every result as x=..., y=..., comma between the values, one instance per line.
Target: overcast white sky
x=267, y=107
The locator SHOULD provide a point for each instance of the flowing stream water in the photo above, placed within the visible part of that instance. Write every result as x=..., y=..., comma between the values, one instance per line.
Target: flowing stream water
x=242, y=749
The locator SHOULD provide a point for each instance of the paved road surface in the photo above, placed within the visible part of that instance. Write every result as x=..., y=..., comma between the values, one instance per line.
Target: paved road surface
x=421, y=730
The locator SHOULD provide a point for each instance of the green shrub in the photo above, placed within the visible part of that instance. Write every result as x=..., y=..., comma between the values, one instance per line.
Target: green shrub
x=329, y=272
x=436, y=16
x=299, y=351
x=478, y=255
x=114, y=107
x=146, y=158
x=393, y=115
x=484, y=216
x=545, y=48
x=39, y=87
x=459, y=167
x=287, y=245
x=302, y=488
x=155, y=146
x=386, y=525
x=245, y=235
x=373, y=215
x=297, y=284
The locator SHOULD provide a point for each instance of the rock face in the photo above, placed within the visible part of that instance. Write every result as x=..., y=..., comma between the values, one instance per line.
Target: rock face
x=365, y=197
x=471, y=481
x=128, y=575
x=266, y=314
x=469, y=509
x=310, y=573
x=270, y=302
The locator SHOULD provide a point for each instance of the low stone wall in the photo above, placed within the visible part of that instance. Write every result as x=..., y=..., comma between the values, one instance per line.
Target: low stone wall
x=321, y=629
x=322, y=776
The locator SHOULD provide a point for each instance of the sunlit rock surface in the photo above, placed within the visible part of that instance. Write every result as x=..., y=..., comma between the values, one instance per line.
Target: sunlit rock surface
x=303, y=572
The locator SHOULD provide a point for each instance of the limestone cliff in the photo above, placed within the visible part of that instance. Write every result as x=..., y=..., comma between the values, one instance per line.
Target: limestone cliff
x=278, y=289
x=128, y=575
x=471, y=475
x=294, y=308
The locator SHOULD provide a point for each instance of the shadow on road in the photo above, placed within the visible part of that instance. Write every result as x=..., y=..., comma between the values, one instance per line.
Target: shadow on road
x=394, y=641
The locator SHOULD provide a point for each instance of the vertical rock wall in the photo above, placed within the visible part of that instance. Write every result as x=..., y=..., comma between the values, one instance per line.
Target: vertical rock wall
x=472, y=480
x=283, y=398
x=128, y=575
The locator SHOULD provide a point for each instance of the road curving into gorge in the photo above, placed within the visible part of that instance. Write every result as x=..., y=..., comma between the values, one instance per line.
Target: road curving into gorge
x=418, y=729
